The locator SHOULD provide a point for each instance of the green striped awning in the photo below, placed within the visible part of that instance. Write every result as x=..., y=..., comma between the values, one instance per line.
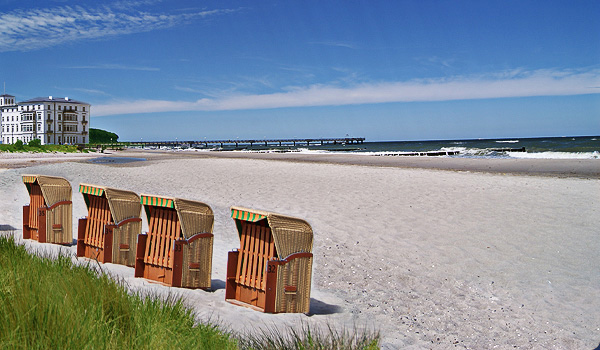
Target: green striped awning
x=29, y=179
x=246, y=215
x=94, y=191
x=157, y=201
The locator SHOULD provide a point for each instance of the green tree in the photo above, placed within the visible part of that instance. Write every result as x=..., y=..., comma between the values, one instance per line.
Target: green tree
x=102, y=136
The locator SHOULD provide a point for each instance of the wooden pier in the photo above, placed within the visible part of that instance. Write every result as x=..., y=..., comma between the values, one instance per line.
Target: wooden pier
x=265, y=143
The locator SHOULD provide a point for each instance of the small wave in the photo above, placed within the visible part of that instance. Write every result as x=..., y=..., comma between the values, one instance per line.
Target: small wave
x=507, y=141
x=453, y=149
x=555, y=155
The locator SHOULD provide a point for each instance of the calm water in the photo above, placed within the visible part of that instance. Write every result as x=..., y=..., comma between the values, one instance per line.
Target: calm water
x=115, y=160
x=553, y=147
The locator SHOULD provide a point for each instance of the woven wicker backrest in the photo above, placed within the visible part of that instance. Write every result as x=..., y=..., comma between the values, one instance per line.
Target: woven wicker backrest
x=195, y=217
x=291, y=235
x=54, y=189
x=123, y=204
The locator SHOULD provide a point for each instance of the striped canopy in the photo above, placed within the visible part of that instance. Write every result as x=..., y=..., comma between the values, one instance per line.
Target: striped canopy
x=291, y=235
x=157, y=201
x=247, y=214
x=54, y=189
x=90, y=189
x=29, y=179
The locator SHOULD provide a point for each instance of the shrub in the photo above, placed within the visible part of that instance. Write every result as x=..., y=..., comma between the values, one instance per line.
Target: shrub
x=18, y=145
x=35, y=143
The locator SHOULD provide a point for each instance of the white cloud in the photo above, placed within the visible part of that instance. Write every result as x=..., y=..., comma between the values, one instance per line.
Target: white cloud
x=38, y=28
x=499, y=85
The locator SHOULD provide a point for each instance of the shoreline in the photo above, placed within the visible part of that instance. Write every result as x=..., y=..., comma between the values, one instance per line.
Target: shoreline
x=577, y=168
x=563, y=168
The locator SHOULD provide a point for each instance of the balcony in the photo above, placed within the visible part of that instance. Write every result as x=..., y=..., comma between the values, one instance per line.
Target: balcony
x=49, y=131
x=49, y=120
x=84, y=133
x=84, y=122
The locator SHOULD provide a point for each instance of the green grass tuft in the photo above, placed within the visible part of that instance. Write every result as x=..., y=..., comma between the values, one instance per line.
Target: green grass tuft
x=307, y=338
x=54, y=304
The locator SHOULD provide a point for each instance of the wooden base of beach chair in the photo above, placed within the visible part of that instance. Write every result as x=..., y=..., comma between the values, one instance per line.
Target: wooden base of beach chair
x=170, y=271
x=114, y=245
x=177, y=250
x=281, y=284
x=52, y=225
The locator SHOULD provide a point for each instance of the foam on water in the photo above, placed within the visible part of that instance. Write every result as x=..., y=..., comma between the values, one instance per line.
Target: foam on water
x=507, y=141
x=555, y=155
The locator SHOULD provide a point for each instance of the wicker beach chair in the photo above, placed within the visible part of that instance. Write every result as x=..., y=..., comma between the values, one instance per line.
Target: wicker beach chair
x=271, y=271
x=48, y=217
x=109, y=232
x=177, y=250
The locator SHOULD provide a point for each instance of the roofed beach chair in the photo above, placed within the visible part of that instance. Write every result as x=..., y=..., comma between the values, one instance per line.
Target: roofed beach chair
x=109, y=232
x=48, y=217
x=177, y=250
x=271, y=271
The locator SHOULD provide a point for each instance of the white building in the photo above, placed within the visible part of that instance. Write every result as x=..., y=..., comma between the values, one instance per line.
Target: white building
x=53, y=120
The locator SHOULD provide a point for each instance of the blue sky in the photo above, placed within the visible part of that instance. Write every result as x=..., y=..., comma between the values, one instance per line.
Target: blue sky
x=384, y=70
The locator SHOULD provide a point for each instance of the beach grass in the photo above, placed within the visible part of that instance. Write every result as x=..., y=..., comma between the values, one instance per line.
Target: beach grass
x=52, y=303
x=35, y=146
x=311, y=338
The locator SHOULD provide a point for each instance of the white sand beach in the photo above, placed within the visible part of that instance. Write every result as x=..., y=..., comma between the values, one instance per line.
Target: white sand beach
x=432, y=258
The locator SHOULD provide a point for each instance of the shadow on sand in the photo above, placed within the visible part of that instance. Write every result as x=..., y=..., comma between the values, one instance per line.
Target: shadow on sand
x=7, y=228
x=318, y=307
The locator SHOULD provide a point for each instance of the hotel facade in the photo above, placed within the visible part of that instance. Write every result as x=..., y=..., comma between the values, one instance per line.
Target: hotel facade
x=52, y=120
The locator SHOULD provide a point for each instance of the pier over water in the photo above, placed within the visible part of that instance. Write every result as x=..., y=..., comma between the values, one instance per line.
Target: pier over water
x=265, y=142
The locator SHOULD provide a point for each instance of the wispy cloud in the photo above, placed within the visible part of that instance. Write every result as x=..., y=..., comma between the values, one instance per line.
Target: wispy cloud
x=90, y=91
x=499, y=85
x=334, y=43
x=116, y=67
x=39, y=28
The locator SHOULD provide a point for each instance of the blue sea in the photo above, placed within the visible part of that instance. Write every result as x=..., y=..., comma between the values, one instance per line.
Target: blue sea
x=580, y=147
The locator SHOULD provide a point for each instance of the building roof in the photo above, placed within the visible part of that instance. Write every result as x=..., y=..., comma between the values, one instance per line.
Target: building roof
x=53, y=99
x=6, y=95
